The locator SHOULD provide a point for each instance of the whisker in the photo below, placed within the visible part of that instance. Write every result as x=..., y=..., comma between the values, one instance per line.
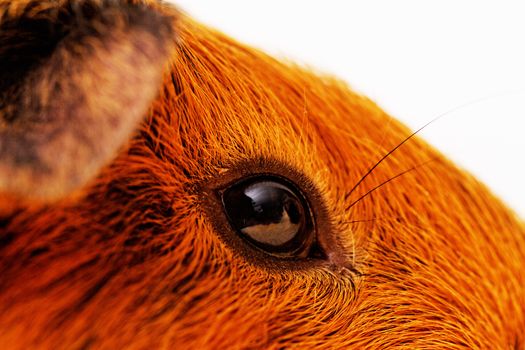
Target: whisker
x=466, y=104
x=388, y=154
x=389, y=180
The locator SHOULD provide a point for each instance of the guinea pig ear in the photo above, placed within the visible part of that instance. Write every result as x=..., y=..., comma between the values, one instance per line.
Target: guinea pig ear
x=76, y=79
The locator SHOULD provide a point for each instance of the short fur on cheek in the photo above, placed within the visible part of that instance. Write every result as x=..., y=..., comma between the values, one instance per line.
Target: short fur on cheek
x=430, y=260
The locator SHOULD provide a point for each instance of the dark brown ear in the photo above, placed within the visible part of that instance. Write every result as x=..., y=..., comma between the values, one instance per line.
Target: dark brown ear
x=76, y=78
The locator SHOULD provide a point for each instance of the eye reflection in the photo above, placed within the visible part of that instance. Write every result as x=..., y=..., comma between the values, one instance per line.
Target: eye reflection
x=271, y=215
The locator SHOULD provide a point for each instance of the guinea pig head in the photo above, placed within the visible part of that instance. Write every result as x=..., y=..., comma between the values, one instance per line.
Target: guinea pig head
x=163, y=186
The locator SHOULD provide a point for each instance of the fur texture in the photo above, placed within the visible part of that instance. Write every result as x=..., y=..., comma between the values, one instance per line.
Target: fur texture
x=430, y=260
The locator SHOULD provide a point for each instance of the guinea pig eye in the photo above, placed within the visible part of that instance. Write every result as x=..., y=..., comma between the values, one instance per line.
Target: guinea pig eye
x=271, y=215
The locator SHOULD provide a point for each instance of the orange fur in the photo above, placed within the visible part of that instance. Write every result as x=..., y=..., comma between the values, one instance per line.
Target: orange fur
x=430, y=260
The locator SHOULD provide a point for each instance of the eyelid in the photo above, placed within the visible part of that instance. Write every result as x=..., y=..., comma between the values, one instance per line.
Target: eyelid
x=209, y=191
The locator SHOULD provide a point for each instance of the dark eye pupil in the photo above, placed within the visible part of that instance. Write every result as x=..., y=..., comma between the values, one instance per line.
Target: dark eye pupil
x=270, y=215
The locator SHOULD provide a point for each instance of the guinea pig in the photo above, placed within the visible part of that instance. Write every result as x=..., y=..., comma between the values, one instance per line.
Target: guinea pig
x=163, y=186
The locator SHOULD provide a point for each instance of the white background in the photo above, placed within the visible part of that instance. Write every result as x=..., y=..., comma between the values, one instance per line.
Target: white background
x=417, y=59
